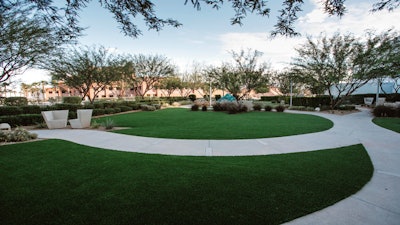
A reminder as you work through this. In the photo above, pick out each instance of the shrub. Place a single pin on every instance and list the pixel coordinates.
(70, 107)
(98, 112)
(109, 104)
(109, 111)
(29, 119)
(17, 135)
(257, 107)
(31, 109)
(72, 100)
(192, 97)
(232, 107)
(347, 107)
(157, 106)
(125, 108)
(280, 108)
(147, 108)
(245, 106)
(195, 107)
(217, 107)
(10, 110)
(16, 101)
(13, 120)
(98, 105)
(108, 124)
(204, 108)
(217, 97)
(385, 111)
(268, 108)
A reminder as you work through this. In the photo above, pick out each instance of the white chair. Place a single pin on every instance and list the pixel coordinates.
(55, 119)
(83, 120)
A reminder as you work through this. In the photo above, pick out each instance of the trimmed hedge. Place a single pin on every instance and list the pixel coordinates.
(16, 101)
(22, 120)
(72, 100)
(385, 111)
(10, 110)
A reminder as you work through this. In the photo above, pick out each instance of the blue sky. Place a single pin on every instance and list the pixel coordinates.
(206, 36)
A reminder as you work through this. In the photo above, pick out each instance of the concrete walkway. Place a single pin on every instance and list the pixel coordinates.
(377, 203)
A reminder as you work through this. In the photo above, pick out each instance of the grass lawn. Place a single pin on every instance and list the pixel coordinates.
(59, 182)
(185, 124)
(388, 123)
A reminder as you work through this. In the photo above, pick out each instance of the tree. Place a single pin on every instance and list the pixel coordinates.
(242, 77)
(148, 71)
(287, 80)
(25, 41)
(170, 84)
(342, 63)
(87, 69)
(127, 11)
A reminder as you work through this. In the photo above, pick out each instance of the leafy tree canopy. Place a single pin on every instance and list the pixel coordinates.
(126, 11)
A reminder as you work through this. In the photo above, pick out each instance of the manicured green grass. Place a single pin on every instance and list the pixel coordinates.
(58, 182)
(186, 124)
(388, 123)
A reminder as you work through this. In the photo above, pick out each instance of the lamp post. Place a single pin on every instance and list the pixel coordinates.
(291, 92)
(210, 92)
(377, 93)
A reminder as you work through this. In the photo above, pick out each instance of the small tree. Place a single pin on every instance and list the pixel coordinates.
(148, 72)
(87, 69)
(26, 41)
(242, 77)
(342, 64)
(170, 84)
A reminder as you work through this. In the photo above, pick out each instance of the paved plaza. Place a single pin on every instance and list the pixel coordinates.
(377, 203)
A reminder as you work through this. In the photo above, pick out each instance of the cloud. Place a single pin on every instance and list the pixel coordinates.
(280, 50)
(277, 51)
(357, 19)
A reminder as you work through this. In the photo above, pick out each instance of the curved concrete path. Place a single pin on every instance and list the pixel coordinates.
(377, 203)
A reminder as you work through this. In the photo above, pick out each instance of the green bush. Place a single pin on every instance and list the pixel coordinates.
(109, 111)
(31, 109)
(108, 124)
(72, 115)
(109, 104)
(98, 112)
(17, 135)
(125, 108)
(257, 107)
(280, 108)
(157, 106)
(22, 119)
(145, 107)
(16, 101)
(72, 100)
(30, 119)
(192, 97)
(347, 107)
(217, 97)
(98, 105)
(204, 108)
(385, 111)
(10, 110)
(195, 107)
(268, 108)
(70, 107)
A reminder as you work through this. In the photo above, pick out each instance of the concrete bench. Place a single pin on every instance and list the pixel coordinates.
(56, 118)
(83, 120)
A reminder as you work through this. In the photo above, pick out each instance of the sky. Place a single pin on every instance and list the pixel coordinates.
(207, 37)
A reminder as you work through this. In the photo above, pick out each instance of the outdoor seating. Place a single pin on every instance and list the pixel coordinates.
(56, 118)
(83, 120)
(368, 101)
(5, 127)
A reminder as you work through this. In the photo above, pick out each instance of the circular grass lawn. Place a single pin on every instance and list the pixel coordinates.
(181, 123)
